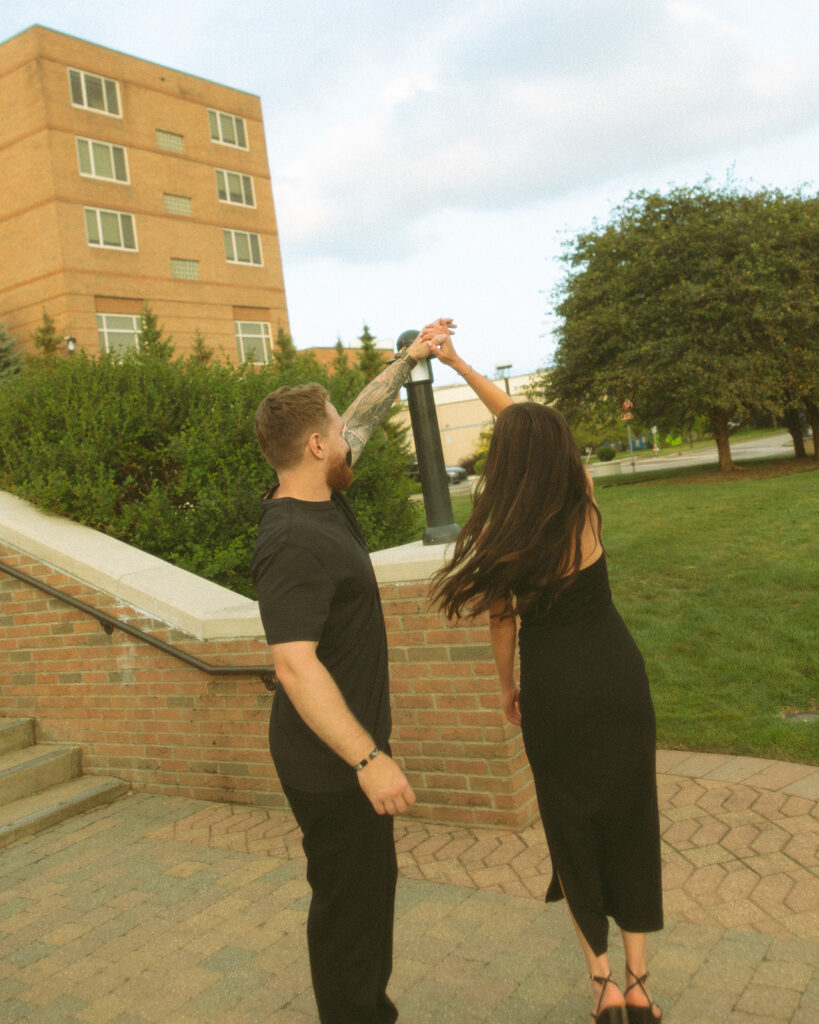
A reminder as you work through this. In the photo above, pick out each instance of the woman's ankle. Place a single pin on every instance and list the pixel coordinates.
(606, 994)
(636, 991)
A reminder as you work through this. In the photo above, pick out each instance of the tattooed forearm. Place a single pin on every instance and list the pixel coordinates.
(372, 405)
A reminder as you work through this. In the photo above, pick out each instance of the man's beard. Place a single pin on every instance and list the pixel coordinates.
(339, 475)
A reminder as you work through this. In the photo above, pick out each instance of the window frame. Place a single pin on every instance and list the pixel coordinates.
(233, 232)
(103, 330)
(243, 178)
(85, 105)
(111, 146)
(266, 337)
(119, 214)
(220, 141)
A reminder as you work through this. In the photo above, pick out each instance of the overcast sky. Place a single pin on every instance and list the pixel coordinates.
(430, 157)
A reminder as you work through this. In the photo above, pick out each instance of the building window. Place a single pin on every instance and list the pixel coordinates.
(171, 141)
(94, 92)
(235, 188)
(253, 341)
(229, 129)
(102, 160)
(185, 270)
(118, 333)
(242, 247)
(110, 229)
(177, 204)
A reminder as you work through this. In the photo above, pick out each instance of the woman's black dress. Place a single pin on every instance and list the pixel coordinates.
(588, 727)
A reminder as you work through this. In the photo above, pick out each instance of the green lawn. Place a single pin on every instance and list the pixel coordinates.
(718, 583)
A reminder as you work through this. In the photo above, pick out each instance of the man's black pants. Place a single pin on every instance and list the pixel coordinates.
(352, 870)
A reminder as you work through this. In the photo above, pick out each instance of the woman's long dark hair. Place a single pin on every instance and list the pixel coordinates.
(521, 543)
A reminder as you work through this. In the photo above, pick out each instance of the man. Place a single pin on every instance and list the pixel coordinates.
(330, 722)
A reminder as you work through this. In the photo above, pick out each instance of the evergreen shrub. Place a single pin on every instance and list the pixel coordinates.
(161, 453)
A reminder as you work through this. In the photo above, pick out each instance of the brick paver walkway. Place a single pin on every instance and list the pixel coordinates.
(180, 912)
(740, 839)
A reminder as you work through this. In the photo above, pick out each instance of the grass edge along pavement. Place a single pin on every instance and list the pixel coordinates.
(715, 574)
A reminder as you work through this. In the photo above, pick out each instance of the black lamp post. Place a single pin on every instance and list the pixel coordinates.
(441, 525)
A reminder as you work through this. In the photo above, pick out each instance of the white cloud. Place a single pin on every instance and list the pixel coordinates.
(422, 136)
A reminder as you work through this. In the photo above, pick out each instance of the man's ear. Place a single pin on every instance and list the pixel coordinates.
(315, 446)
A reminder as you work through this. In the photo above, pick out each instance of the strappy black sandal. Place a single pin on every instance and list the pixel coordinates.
(612, 1014)
(642, 1014)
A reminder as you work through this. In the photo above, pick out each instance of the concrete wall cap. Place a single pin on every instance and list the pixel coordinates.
(164, 591)
(409, 563)
(147, 583)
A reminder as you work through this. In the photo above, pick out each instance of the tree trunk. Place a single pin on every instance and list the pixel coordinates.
(721, 433)
(793, 425)
(812, 410)
(723, 439)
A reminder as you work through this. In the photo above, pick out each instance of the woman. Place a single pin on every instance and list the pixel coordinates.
(532, 551)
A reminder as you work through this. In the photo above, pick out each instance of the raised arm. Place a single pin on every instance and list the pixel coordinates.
(373, 403)
(493, 397)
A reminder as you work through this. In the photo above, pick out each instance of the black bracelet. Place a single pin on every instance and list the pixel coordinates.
(405, 357)
(373, 754)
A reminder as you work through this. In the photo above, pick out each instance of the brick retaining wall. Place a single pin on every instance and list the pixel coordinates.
(164, 727)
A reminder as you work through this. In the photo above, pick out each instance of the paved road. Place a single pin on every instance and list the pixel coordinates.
(757, 448)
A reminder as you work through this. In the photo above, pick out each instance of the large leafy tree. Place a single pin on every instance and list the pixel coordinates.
(794, 337)
(701, 302)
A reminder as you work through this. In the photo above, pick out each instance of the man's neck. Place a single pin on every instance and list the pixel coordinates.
(303, 487)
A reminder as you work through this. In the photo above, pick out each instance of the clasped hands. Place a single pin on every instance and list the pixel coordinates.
(437, 336)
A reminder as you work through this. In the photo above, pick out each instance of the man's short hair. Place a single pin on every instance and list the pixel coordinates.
(286, 418)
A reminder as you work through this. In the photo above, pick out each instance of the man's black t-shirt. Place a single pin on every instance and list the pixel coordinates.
(315, 581)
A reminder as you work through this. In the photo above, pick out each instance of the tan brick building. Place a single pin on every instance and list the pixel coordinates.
(124, 183)
(462, 416)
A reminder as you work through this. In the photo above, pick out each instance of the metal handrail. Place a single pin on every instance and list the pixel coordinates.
(109, 623)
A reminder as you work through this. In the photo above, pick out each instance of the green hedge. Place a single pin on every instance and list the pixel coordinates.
(162, 454)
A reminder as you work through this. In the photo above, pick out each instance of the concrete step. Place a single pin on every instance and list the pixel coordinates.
(30, 814)
(33, 769)
(41, 783)
(16, 733)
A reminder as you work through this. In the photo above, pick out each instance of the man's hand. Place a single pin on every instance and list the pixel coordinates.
(428, 337)
(438, 336)
(385, 785)
(419, 350)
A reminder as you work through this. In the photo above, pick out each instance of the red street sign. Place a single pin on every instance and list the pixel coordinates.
(628, 404)
(626, 415)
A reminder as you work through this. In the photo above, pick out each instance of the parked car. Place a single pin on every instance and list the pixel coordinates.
(454, 474)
